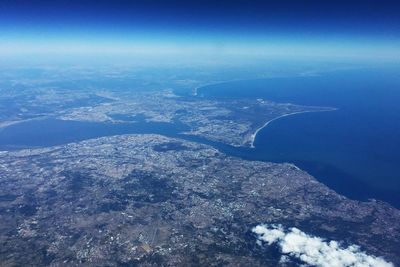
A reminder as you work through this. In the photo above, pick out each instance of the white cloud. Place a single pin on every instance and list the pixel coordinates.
(316, 251)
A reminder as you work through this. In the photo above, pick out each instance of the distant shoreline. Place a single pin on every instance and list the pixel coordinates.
(5, 124)
(254, 135)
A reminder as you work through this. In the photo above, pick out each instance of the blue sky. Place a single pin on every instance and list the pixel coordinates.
(311, 28)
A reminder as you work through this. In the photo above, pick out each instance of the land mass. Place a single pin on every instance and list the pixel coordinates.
(149, 200)
(124, 96)
(232, 122)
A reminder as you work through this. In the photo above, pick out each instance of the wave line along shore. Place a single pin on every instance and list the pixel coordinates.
(254, 135)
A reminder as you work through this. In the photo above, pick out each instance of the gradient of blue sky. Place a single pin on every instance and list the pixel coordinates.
(359, 28)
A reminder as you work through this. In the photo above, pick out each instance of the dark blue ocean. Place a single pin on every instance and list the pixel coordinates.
(354, 150)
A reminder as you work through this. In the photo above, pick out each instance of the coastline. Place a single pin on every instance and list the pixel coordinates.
(5, 124)
(254, 135)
